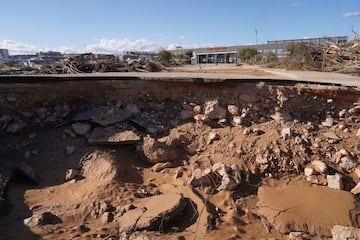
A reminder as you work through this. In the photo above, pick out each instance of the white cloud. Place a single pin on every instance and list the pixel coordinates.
(18, 47)
(114, 46)
(110, 46)
(351, 14)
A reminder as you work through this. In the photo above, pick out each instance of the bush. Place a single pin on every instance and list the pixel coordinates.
(165, 57)
(247, 53)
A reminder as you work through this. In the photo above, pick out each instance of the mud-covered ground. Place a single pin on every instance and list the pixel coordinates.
(203, 161)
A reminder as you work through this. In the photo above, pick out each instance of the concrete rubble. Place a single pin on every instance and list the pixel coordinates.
(343, 232)
(219, 176)
(149, 213)
(135, 165)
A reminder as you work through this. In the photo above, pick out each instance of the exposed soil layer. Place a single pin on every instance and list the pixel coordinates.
(226, 160)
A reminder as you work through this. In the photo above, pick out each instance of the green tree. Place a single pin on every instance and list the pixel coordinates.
(184, 58)
(270, 56)
(247, 53)
(165, 57)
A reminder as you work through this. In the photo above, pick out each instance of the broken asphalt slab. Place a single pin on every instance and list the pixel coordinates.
(113, 136)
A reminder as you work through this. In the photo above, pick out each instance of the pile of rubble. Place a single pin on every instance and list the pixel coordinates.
(343, 59)
(214, 148)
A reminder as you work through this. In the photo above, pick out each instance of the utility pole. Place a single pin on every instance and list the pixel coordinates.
(256, 37)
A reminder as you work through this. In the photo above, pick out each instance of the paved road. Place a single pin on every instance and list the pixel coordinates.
(211, 73)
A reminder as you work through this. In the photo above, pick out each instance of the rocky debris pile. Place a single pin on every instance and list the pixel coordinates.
(342, 232)
(219, 177)
(221, 149)
(143, 65)
(343, 58)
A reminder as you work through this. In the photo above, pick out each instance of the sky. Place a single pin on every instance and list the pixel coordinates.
(114, 26)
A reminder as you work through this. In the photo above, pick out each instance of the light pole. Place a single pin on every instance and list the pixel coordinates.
(256, 37)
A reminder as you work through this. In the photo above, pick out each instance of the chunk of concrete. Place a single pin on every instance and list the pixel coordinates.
(311, 209)
(113, 136)
(319, 166)
(335, 181)
(214, 111)
(106, 116)
(151, 212)
(343, 232)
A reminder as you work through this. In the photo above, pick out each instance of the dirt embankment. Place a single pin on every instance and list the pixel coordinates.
(178, 160)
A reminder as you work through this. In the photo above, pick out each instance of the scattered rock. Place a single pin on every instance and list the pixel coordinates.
(286, 133)
(197, 109)
(357, 171)
(331, 135)
(356, 190)
(280, 117)
(358, 133)
(107, 217)
(204, 178)
(296, 236)
(237, 120)
(179, 172)
(348, 163)
(308, 171)
(15, 127)
(317, 179)
(344, 160)
(160, 166)
(42, 219)
(214, 111)
(154, 152)
(70, 174)
(233, 110)
(345, 233)
(81, 128)
(335, 181)
(329, 122)
(70, 150)
(319, 166)
(212, 136)
(342, 113)
(221, 176)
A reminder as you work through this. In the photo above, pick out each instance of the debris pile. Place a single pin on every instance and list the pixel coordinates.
(343, 59)
(280, 162)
